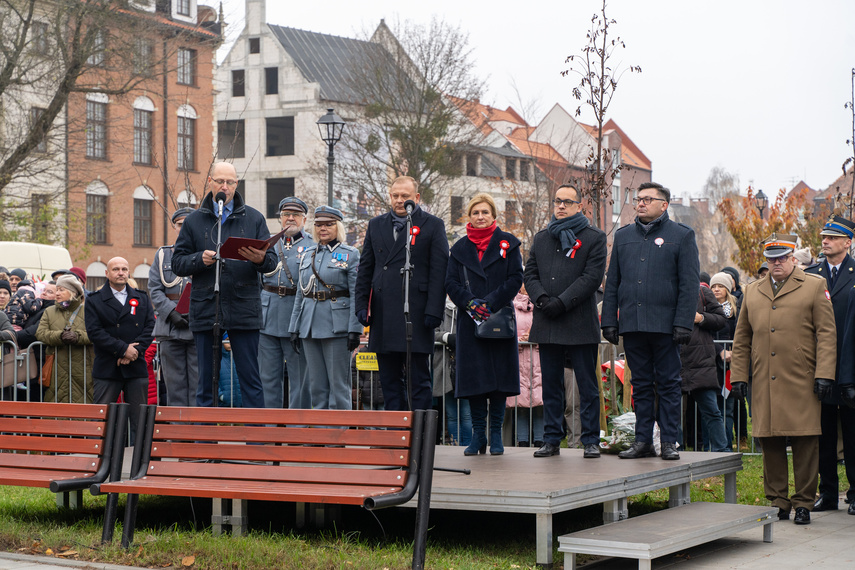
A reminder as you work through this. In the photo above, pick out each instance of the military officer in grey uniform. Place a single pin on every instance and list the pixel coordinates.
(179, 366)
(323, 323)
(279, 290)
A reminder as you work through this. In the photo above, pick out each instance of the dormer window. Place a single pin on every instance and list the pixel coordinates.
(183, 7)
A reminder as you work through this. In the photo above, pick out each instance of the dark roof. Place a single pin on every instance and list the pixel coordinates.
(327, 60)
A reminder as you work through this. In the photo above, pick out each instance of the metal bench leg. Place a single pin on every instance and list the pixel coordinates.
(730, 488)
(767, 532)
(614, 511)
(569, 561)
(238, 517)
(544, 539)
(70, 499)
(679, 495)
(130, 520)
(110, 514)
(302, 515)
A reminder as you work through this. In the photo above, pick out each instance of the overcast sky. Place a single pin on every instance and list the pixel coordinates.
(756, 87)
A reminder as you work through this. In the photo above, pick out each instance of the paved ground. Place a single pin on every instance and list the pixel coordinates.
(825, 543)
(12, 561)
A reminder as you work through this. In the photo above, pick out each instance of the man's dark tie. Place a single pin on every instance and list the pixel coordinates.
(833, 277)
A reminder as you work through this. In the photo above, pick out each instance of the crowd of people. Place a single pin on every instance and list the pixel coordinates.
(505, 338)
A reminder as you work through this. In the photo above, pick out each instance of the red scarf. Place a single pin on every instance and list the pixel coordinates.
(480, 237)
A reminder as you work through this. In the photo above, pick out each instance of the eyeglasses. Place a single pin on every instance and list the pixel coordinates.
(324, 224)
(221, 181)
(290, 215)
(558, 202)
(776, 260)
(646, 200)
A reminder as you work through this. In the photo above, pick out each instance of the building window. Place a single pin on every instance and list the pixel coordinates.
(186, 143)
(96, 129)
(35, 113)
(142, 136)
(617, 203)
(96, 219)
(471, 164)
(183, 7)
(512, 217)
(143, 56)
(40, 43)
(278, 188)
(524, 170)
(238, 83)
(254, 45)
(511, 168)
(99, 45)
(142, 222)
(456, 209)
(231, 143)
(280, 136)
(40, 212)
(271, 80)
(186, 66)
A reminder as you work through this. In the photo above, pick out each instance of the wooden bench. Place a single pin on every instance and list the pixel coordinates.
(664, 532)
(374, 459)
(64, 447)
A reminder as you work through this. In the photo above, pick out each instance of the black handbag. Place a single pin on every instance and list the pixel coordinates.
(501, 325)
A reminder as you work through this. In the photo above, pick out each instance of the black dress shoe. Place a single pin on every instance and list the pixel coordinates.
(825, 504)
(592, 451)
(638, 449)
(851, 509)
(669, 450)
(802, 516)
(548, 450)
(783, 515)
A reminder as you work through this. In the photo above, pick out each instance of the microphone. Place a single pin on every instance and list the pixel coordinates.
(220, 198)
(410, 206)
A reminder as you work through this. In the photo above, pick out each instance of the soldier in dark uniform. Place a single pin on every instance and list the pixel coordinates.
(279, 289)
(838, 269)
(178, 363)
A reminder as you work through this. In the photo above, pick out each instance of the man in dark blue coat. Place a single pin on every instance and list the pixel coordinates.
(380, 297)
(240, 283)
(564, 269)
(119, 322)
(838, 269)
(650, 299)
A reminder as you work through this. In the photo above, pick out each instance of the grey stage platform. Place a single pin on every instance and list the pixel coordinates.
(516, 482)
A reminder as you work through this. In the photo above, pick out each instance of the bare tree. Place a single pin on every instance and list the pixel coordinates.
(597, 86)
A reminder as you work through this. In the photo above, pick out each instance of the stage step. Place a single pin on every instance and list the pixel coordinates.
(656, 534)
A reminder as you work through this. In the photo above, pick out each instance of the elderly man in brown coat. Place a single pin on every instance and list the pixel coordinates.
(787, 338)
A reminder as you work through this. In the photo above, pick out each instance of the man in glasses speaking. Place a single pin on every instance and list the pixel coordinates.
(650, 298)
(240, 282)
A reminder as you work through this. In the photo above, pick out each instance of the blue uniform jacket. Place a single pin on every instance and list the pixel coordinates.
(240, 282)
(277, 308)
(112, 327)
(653, 278)
(337, 267)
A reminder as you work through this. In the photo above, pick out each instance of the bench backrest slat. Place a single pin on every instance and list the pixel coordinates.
(51, 444)
(378, 419)
(284, 435)
(49, 462)
(54, 410)
(31, 425)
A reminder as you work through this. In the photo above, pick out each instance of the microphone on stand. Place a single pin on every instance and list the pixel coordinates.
(410, 206)
(221, 199)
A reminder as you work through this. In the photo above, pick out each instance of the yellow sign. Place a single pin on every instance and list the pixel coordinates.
(367, 361)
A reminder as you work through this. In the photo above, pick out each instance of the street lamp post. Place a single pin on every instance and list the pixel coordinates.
(760, 202)
(330, 127)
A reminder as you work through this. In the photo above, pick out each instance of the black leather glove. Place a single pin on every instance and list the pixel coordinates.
(296, 343)
(553, 308)
(822, 388)
(352, 341)
(68, 337)
(739, 390)
(541, 300)
(611, 334)
(177, 320)
(847, 393)
(362, 317)
(432, 322)
(682, 335)
(451, 341)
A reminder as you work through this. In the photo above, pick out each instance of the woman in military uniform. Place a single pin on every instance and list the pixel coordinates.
(323, 323)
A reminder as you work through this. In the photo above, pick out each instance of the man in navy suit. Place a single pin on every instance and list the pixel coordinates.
(119, 322)
(380, 297)
(838, 269)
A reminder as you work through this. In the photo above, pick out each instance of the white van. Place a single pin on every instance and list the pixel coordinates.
(36, 259)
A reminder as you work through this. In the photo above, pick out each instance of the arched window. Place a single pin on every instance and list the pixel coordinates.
(143, 198)
(186, 137)
(96, 212)
(186, 199)
(96, 276)
(143, 130)
(96, 125)
(141, 276)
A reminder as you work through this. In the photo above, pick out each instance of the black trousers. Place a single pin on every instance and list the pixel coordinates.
(828, 479)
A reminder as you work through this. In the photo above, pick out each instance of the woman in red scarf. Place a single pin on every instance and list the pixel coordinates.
(485, 272)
